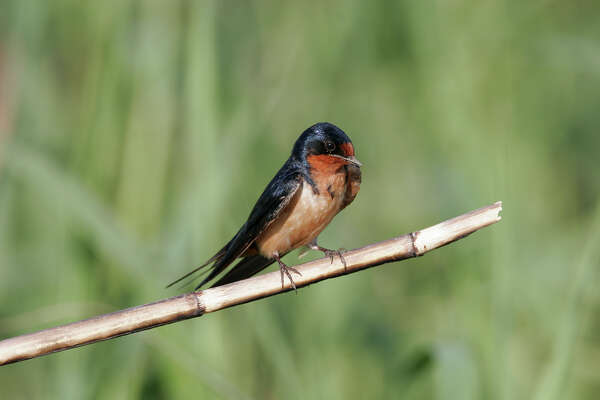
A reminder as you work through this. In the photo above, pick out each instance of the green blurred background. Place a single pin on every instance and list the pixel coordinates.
(135, 137)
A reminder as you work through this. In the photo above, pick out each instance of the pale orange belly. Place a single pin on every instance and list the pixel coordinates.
(304, 218)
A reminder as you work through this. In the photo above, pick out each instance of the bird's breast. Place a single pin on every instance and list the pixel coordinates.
(307, 214)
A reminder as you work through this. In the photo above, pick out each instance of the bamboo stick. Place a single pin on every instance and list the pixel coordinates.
(195, 304)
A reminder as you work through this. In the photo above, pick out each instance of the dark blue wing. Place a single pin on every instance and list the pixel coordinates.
(274, 198)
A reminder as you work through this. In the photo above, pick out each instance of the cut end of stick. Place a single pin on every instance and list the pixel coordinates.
(453, 229)
(498, 206)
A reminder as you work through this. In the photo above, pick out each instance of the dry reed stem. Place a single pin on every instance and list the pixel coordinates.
(195, 304)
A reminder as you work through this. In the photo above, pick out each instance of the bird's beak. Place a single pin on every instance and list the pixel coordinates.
(350, 160)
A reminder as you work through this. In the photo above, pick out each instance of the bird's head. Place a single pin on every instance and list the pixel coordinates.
(326, 142)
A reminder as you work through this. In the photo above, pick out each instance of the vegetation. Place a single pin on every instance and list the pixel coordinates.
(136, 136)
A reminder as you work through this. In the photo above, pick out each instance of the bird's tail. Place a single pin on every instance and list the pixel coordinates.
(247, 267)
(216, 258)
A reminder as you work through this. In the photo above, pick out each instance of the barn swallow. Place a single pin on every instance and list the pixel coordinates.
(320, 178)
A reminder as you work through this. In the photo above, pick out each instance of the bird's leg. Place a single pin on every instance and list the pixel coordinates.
(285, 269)
(328, 252)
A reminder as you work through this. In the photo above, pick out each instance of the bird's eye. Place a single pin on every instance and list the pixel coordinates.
(330, 147)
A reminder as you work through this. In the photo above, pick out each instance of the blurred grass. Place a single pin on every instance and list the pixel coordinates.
(135, 137)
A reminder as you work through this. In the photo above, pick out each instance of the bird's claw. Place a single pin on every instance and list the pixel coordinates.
(332, 253)
(284, 269)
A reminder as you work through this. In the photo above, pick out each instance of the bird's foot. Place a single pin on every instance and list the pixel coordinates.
(330, 253)
(284, 269)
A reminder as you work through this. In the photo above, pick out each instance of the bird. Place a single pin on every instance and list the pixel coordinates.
(321, 177)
